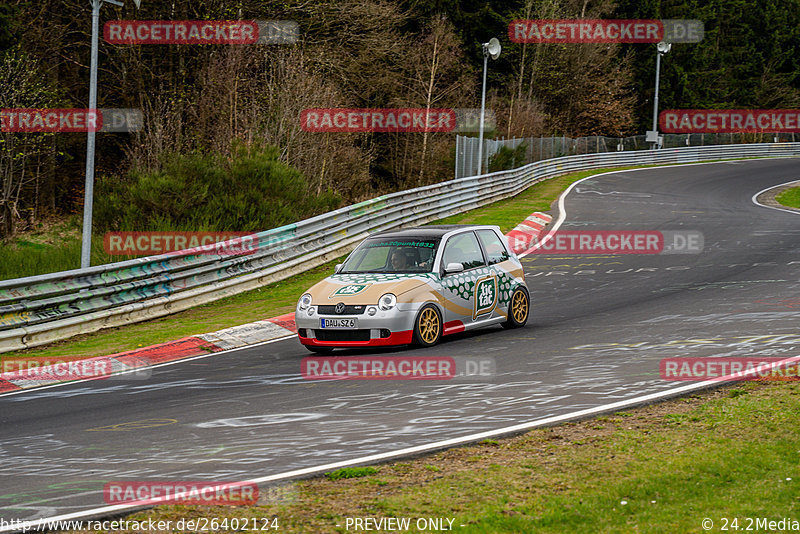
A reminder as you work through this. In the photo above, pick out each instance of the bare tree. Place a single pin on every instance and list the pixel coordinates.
(582, 89)
(22, 155)
(287, 83)
(434, 76)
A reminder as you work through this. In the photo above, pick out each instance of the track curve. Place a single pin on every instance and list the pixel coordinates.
(599, 327)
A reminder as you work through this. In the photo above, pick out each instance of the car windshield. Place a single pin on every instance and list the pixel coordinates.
(384, 255)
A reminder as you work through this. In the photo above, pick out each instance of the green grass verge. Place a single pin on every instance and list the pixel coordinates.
(729, 453)
(509, 213)
(51, 246)
(790, 197)
(351, 472)
(280, 297)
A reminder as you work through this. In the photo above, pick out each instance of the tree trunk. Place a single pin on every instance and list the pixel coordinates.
(8, 224)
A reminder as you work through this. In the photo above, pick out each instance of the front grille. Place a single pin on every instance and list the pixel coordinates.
(349, 309)
(341, 335)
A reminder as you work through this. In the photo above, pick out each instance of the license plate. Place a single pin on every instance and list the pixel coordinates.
(339, 323)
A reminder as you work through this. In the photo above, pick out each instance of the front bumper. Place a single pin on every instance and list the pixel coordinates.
(395, 338)
(385, 328)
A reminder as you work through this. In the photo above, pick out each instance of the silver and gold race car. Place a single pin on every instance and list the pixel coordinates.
(415, 286)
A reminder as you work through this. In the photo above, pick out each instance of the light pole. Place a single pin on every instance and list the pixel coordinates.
(88, 196)
(492, 48)
(652, 136)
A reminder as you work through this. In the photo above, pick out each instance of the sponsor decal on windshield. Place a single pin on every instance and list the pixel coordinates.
(421, 244)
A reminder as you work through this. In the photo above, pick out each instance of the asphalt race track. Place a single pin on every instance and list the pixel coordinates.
(600, 326)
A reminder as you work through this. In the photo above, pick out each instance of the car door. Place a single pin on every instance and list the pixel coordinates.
(499, 261)
(463, 305)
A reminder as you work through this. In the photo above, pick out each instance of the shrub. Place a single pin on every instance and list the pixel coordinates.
(507, 158)
(250, 191)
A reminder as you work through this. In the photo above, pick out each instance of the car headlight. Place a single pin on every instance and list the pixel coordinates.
(387, 302)
(305, 302)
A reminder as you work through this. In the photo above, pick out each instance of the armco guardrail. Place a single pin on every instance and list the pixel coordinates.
(41, 309)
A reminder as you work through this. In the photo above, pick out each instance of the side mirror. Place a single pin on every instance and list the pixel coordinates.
(452, 268)
(337, 268)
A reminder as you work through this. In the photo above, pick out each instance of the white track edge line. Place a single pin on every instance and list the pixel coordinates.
(757, 203)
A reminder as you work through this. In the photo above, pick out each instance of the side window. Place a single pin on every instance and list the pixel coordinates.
(495, 250)
(464, 249)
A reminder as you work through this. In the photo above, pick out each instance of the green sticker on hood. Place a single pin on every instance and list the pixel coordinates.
(351, 289)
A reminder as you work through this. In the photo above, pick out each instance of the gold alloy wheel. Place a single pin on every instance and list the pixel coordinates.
(429, 326)
(519, 307)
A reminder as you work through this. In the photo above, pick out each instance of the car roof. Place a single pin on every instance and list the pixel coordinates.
(431, 231)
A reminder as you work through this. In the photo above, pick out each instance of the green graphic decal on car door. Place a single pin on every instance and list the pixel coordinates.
(485, 297)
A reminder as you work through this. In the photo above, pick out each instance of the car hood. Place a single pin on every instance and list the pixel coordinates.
(366, 288)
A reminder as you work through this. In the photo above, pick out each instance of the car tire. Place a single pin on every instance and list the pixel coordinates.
(428, 326)
(319, 350)
(519, 308)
